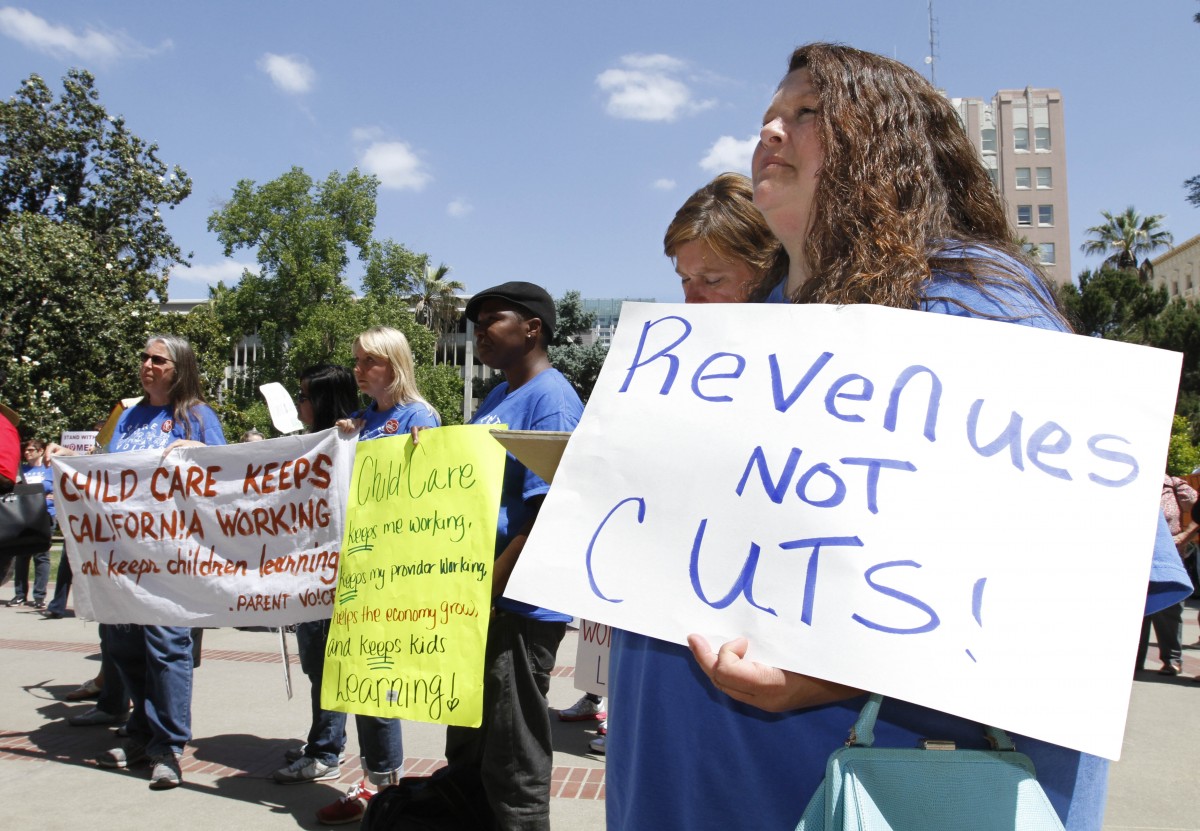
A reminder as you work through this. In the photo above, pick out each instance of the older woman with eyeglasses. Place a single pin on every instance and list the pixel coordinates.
(155, 662)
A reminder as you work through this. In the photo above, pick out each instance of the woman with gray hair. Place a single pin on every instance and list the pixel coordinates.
(155, 662)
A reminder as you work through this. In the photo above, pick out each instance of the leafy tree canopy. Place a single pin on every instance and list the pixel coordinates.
(1113, 304)
(83, 248)
(580, 364)
(301, 232)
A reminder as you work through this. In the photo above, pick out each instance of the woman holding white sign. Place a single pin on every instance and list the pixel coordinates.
(864, 173)
(155, 662)
(383, 370)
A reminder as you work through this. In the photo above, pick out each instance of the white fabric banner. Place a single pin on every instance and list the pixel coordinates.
(955, 512)
(234, 535)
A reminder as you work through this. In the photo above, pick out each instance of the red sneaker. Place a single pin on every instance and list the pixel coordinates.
(349, 808)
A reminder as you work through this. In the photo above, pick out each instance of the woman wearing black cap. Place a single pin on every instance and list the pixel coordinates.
(508, 757)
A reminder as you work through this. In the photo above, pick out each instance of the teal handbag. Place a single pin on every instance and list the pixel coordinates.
(934, 787)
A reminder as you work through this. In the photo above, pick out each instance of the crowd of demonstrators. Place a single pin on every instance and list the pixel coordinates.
(155, 662)
(843, 208)
(866, 213)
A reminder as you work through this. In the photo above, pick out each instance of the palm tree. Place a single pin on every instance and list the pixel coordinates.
(433, 299)
(1126, 236)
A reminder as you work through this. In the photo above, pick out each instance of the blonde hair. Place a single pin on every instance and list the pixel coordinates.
(390, 345)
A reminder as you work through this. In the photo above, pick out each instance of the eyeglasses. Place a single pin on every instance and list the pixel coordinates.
(157, 360)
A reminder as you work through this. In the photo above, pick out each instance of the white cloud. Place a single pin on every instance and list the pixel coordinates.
(653, 63)
(664, 184)
(366, 134)
(194, 282)
(459, 207)
(729, 154)
(396, 165)
(647, 88)
(291, 73)
(38, 33)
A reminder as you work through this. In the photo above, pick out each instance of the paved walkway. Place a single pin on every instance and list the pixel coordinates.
(243, 723)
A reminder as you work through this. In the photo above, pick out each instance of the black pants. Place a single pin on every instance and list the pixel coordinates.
(511, 752)
(1168, 632)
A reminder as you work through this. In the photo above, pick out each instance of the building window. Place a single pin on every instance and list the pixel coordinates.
(1023, 178)
(1045, 214)
(994, 175)
(1046, 253)
(1021, 138)
(988, 139)
(1024, 215)
(1041, 125)
(1044, 178)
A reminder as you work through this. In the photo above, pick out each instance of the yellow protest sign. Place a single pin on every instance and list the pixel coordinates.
(415, 581)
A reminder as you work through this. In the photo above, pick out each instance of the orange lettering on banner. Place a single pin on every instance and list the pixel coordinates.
(186, 482)
(273, 477)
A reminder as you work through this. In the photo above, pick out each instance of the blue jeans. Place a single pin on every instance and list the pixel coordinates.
(41, 575)
(113, 699)
(379, 739)
(62, 587)
(155, 663)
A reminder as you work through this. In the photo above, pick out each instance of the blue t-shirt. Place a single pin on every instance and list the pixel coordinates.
(146, 427)
(32, 474)
(395, 421)
(682, 755)
(545, 402)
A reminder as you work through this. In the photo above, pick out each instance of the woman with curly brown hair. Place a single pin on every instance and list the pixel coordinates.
(865, 175)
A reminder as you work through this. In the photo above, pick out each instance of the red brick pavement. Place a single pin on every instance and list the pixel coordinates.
(256, 761)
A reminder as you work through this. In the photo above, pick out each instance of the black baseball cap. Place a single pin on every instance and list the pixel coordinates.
(533, 298)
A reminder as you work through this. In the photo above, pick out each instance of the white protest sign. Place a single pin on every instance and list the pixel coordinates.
(283, 410)
(926, 506)
(236, 535)
(79, 441)
(591, 657)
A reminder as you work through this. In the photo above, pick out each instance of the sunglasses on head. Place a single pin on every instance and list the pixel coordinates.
(157, 360)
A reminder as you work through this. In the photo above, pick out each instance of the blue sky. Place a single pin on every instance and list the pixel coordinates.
(553, 141)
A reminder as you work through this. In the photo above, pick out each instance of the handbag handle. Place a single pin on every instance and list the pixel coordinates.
(862, 734)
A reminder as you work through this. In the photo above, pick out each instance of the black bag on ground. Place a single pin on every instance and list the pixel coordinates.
(441, 802)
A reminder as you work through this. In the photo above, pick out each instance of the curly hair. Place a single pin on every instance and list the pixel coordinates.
(902, 192)
(723, 214)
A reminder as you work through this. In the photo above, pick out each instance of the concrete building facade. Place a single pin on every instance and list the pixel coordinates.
(1020, 137)
(1178, 270)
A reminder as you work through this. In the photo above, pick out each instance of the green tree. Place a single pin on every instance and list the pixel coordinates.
(83, 249)
(301, 232)
(1113, 304)
(1182, 455)
(1126, 237)
(579, 363)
